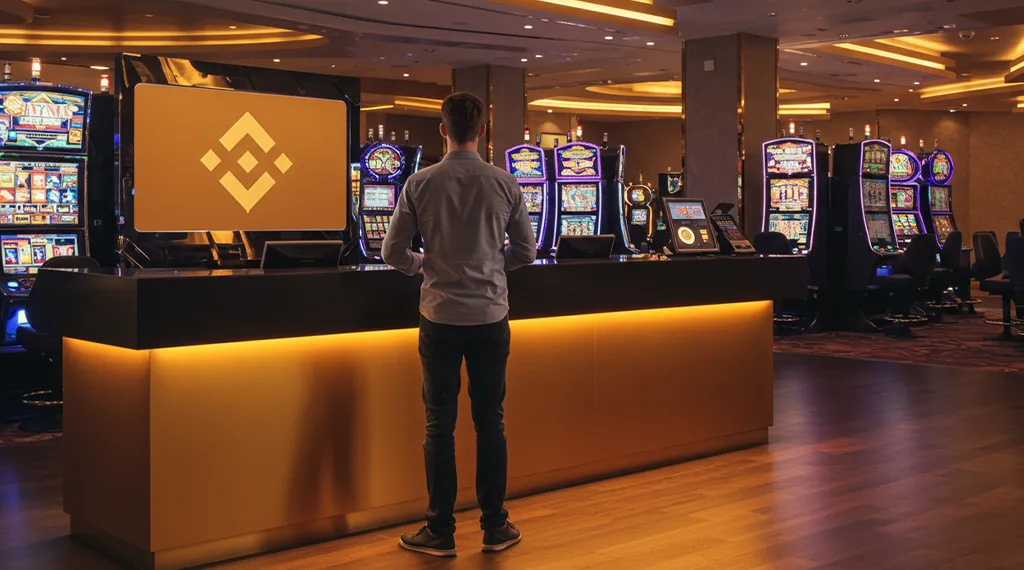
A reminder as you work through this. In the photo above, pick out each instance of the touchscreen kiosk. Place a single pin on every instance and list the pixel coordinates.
(690, 226)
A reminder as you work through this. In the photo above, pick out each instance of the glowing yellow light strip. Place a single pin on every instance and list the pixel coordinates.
(607, 106)
(806, 106)
(804, 111)
(613, 11)
(891, 55)
(1017, 67)
(419, 103)
(964, 87)
(158, 43)
(150, 34)
(377, 108)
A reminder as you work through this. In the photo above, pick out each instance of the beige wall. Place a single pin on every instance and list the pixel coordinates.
(995, 172)
(422, 130)
(652, 146)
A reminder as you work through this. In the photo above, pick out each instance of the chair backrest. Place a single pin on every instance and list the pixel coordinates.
(951, 256)
(986, 252)
(1021, 224)
(71, 262)
(772, 243)
(1015, 266)
(918, 260)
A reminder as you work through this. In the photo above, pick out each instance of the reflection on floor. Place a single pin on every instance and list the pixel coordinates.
(872, 465)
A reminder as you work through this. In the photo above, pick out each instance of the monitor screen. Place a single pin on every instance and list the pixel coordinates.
(673, 183)
(355, 176)
(875, 194)
(791, 194)
(378, 197)
(526, 163)
(789, 157)
(639, 195)
(39, 193)
(880, 231)
(578, 226)
(944, 226)
(535, 224)
(796, 227)
(26, 253)
(728, 226)
(639, 216)
(876, 159)
(902, 198)
(906, 225)
(579, 197)
(941, 167)
(689, 225)
(578, 160)
(39, 119)
(903, 166)
(533, 195)
(383, 161)
(938, 197)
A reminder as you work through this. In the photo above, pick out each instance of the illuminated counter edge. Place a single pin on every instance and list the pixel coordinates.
(167, 309)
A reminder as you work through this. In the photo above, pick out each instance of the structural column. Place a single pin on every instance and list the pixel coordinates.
(730, 103)
(503, 91)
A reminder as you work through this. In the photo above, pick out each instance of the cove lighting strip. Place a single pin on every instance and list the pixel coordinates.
(419, 103)
(596, 7)
(877, 52)
(966, 87)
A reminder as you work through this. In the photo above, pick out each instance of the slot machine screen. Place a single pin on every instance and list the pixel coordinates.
(902, 198)
(535, 224)
(941, 166)
(533, 196)
(578, 226)
(906, 225)
(674, 183)
(791, 194)
(355, 176)
(378, 197)
(727, 224)
(943, 226)
(39, 193)
(789, 157)
(880, 231)
(689, 225)
(875, 194)
(794, 226)
(43, 120)
(876, 159)
(639, 216)
(939, 196)
(903, 166)
(579, 197)
(25, 253)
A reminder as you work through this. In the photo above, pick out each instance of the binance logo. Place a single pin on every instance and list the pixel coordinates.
(247, 197)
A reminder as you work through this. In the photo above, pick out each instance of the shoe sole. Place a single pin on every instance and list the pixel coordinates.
(429, 551)
(502, 546)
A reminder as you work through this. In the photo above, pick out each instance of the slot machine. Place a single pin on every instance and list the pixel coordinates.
(577, 190)
(794, 191)
(527, 164)
(937, 210)
(613, 168)
(638, 216)
(384, 168)
(43, 160)
(905, 196)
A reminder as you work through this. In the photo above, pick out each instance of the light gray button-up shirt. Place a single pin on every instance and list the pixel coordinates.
(463, 207)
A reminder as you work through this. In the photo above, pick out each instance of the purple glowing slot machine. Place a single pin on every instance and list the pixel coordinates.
(577, 190)
(526, 163)
(937, 210)
(905, 195)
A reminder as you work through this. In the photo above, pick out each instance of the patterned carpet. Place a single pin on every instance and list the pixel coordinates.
(960, 341)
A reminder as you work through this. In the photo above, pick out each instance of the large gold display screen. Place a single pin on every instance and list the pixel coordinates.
(210, 159)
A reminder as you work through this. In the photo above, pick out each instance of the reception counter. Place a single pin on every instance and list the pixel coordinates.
(216, 414)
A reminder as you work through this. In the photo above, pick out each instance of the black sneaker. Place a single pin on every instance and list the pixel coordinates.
(426, 542)
(498, 540)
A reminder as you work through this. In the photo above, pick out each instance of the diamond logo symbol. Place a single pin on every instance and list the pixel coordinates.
(246, 126)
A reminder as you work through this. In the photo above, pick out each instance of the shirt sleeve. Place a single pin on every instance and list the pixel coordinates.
(397, 248)
(522, 244)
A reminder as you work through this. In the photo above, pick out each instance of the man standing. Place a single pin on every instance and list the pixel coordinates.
(463, 208)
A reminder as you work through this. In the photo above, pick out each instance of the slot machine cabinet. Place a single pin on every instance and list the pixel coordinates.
(43, 187)
(670, 184)
(638, 216)
(578, 190)
(527, 165)
(937, 195)
(905, 196)
(613, 167)
(730, 237)
(384, 168)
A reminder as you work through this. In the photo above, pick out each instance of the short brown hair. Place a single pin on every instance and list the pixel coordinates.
(462, 115)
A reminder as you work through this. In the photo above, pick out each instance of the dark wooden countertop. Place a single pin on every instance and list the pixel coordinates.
(145, 309)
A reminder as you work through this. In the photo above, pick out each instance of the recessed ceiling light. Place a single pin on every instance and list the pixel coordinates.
(408, 55)
(148, 15)
(952, 110)
(843, 36)
(99, 67)
(232, 27)
(405, 75)
(528, 27)
(917, 83)
(538, 56)
(382, 2)
(650, 43)
(277, 60)
(896, 99)
(878, 81)
(949, 26)
(63, 59)
(911, 90)
(333, 66)
(900, 31)
(524, 60)
(994, 38)
(770, 14)
(609, 38)
(964, 105)
(550, 111)
(804, 63)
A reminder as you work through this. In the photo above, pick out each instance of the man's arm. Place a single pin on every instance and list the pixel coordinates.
(397, 248)
(522, 244)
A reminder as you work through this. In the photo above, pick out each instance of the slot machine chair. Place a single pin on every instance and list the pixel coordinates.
(988, 271)
(49, 399)
(910, 275)
(776, 243)
(954, 272)
(1014, 267)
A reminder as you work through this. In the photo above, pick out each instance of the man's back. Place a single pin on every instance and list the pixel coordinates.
(463, 208)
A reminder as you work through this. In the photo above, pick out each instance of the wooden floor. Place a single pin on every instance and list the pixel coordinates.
(872, 466)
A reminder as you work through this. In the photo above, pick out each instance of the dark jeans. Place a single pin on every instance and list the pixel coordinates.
(485, 348)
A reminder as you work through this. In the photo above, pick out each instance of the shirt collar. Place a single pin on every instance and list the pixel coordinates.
(462, 155)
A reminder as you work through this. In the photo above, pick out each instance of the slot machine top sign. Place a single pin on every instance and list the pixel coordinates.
(940, 167)
(903, 166)
(790, 157)
(578, 160)
(526, 163)
(42, 120)
(384, 161)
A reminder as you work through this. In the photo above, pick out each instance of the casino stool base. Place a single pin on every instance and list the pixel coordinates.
(900, 324)
(50, 417)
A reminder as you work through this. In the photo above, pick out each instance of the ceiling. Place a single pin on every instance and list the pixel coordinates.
(407, 48)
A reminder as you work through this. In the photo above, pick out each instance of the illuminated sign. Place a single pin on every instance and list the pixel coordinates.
(43, 120)
(789, 158)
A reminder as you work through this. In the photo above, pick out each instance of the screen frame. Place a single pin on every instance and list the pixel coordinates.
(369, 173)
(597, 197)
(952, 224)
(681, 247)
(803, 207)
(79, 162)
(914, 161)
(362, 197)
(949, 199)
(543, 162)
(930, 175)
(55, 88)
(809, 217)
(597, 163)
(913, 190)
(80, 245)
(795, 141)
(561, 220)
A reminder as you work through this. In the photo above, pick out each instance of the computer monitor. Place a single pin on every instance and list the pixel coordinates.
(689, 225)
(584, 247)
(324, 254)
(25, 253)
